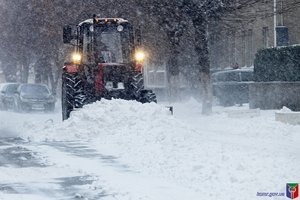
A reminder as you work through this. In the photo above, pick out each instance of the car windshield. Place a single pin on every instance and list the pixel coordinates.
(34, 89)
(111, 45)
(11, 88)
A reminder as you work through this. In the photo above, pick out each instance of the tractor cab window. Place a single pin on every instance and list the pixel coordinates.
(111, 45)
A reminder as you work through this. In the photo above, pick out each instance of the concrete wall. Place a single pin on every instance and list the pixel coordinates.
(274, 95)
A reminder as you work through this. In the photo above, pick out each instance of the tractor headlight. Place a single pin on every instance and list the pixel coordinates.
(76, 57)
(140, 56)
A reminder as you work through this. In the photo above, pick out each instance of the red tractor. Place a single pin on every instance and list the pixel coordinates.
(106, 62)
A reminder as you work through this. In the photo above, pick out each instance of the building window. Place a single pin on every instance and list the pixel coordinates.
(244, 48)
(233, 48)
(265, 33)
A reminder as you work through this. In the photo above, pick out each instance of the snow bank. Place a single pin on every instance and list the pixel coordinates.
(215, 156)
(285, 110)
(286, 115)
(104, 118)
(145, 137)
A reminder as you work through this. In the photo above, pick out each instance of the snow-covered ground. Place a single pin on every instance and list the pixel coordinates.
(140, 151)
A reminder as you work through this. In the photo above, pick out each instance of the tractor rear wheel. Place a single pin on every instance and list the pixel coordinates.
(73, 95)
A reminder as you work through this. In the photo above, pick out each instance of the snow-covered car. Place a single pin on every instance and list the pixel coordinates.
(7, 92)
(33, 97)
(232, 86)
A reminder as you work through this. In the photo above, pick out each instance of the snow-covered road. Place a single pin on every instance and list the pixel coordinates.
(126, 150)
(26, 174)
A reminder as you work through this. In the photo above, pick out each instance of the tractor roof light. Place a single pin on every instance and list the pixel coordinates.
(76, 58)
(140, 56)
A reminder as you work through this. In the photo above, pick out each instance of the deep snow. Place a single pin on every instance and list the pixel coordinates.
(228, 155)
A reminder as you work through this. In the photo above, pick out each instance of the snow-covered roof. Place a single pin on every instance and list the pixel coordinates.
(90, 21)
(250, 69)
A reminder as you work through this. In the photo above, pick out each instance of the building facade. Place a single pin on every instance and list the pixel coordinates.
(236, 38)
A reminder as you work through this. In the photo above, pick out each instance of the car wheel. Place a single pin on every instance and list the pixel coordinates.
(2, 107)
(17, 107)
(24, 108)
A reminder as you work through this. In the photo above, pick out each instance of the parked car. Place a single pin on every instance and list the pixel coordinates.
(7, 92)
(231, 87)
(33, 97)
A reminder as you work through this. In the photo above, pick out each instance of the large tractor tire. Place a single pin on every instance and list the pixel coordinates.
(147, 96)
(139, 93)
(137, 85)
(73, 95)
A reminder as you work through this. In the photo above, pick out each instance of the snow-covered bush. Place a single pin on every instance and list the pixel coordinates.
(277, 64)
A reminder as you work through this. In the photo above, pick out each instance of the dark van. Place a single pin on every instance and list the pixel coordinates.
(231, 87)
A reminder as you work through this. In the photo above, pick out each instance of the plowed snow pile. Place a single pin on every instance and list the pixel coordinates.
(107, 118)
(215, 156)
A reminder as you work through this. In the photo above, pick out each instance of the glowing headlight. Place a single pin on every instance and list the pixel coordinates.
(76, 57)
(140, 56)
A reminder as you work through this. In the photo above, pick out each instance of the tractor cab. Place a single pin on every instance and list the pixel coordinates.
(105, 40)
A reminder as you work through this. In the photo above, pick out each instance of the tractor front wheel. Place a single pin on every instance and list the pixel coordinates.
(147, 96)
(139, 92)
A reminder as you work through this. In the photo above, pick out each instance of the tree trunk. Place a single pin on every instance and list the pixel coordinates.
(173, 67)
(24, 70)
(201, 48)
(207, 93)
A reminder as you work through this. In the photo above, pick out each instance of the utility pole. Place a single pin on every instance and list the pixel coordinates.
(275, 22)
(281, 14)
